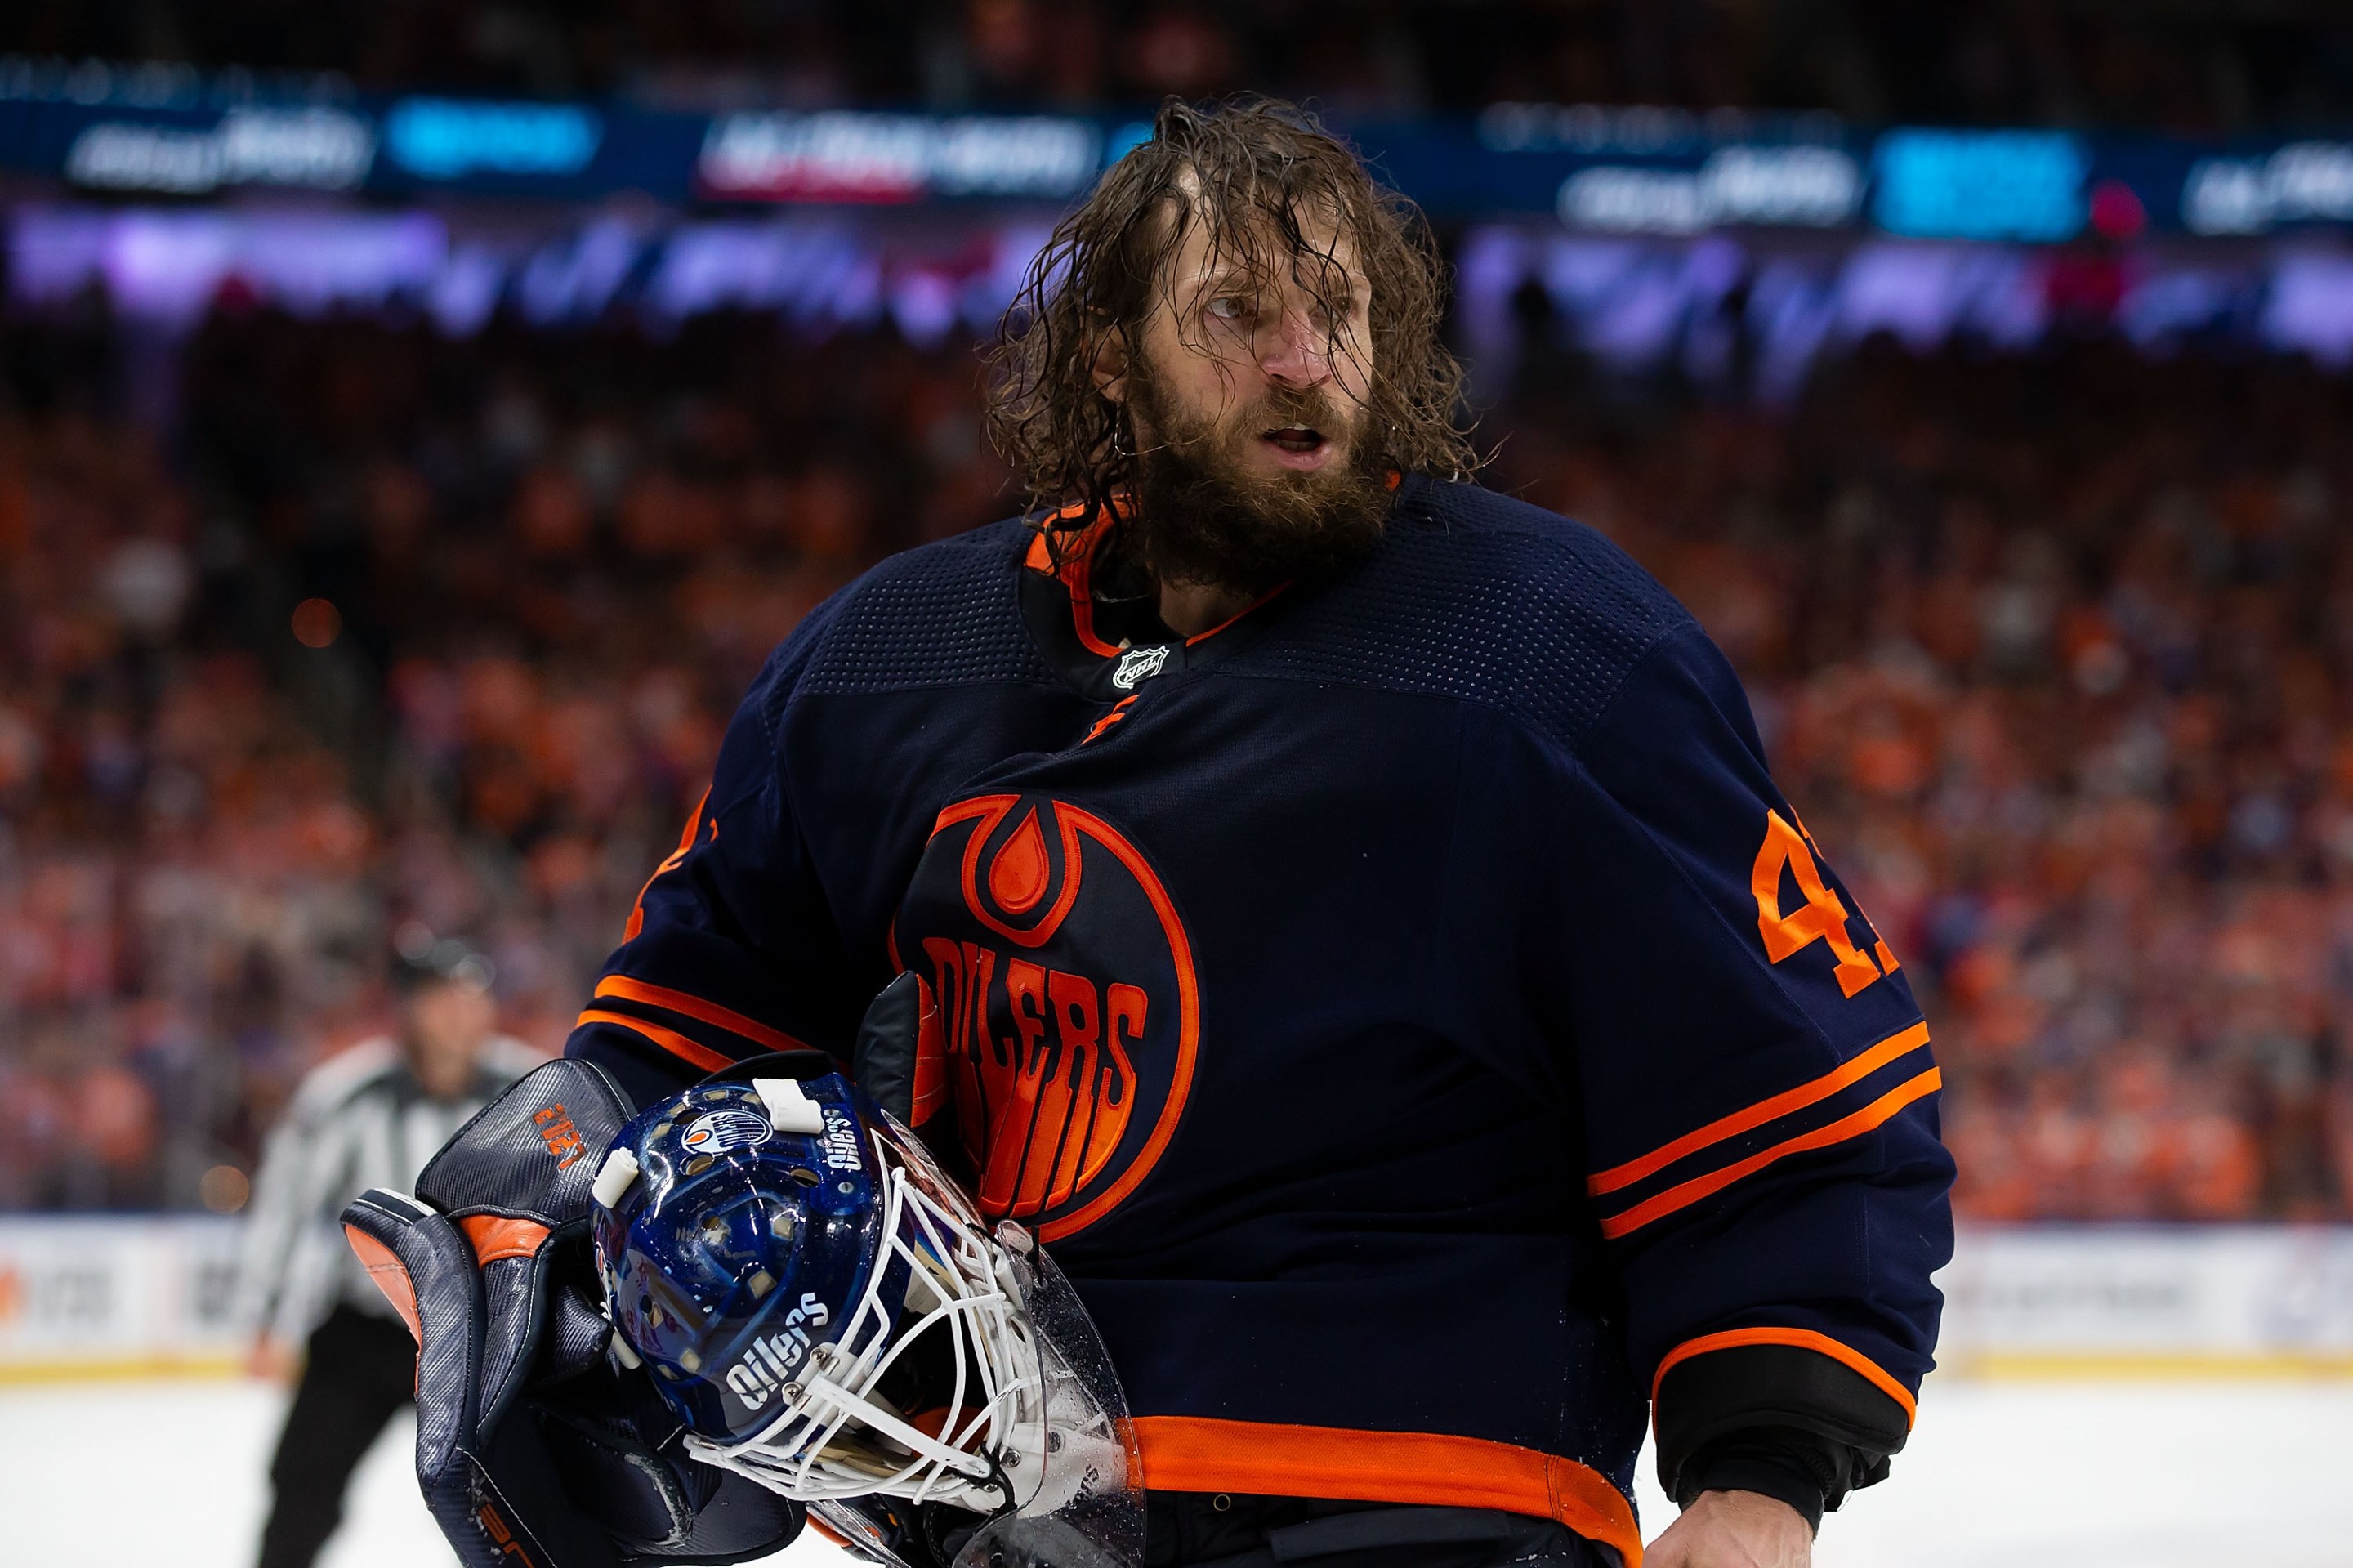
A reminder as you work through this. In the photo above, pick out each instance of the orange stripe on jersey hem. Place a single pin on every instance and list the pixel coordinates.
(1691, 1192)
(1804, 1338)
(1763, 1111)
(1201, 1454)
(701, 1011)
(669, 1039)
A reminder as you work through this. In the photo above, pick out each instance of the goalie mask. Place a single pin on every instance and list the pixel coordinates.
(826, 1312)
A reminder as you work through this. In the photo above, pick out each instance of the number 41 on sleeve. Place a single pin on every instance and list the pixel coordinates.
(1822, 917)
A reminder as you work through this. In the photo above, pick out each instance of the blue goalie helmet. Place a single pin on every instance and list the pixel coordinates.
(826, 1313)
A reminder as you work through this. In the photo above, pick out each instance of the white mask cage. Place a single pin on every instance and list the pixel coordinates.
(835, 1435)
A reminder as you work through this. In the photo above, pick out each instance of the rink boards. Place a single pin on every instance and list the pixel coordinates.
(121, 1295)
(2088, 1301)
(116, 1296)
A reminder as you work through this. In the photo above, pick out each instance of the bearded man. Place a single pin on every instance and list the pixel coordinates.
(1365, 944)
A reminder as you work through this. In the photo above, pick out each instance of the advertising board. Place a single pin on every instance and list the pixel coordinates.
(143, 130)
(82, 1296)
(107, 1295)
(2221, 1301)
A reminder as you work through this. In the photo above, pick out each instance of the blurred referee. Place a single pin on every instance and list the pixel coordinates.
(368, 1117)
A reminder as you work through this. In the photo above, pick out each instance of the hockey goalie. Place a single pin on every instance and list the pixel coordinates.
(1340, 915)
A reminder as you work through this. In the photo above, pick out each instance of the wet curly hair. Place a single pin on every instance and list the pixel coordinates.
(1248, 168)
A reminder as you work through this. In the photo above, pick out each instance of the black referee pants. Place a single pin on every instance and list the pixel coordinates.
(360, 1371)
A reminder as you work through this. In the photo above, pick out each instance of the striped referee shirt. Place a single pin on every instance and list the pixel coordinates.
(359, 1120)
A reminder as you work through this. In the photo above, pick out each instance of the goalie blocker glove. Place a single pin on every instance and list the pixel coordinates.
(535, 1444)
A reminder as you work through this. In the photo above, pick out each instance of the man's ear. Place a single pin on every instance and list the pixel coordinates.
(1110, 366)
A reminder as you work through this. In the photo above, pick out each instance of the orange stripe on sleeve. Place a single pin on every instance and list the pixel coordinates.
(1689, 1192)
(669, 1039)
(1804, 1338)
(1204, 1454)
(1763, 1111)
(694, 1007)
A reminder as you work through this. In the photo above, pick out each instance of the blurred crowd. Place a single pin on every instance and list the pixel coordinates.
(2196, 67)
(384, 629)
(362, 626)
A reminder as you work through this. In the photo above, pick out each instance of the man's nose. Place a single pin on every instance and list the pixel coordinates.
(1295, 354)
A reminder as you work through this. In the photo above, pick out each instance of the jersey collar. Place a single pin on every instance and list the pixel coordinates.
(1067, 620)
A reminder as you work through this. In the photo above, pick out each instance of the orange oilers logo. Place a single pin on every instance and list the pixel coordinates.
(1069, 1010)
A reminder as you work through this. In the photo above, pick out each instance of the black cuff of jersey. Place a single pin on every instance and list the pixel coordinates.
(1780, 1462)
(1809, 1410)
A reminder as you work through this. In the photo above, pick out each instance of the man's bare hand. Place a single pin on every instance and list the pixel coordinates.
(1734, 1530)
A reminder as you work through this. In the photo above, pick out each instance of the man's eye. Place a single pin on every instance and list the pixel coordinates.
(1229, 308)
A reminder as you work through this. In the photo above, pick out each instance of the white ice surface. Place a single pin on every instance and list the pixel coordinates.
(170, 1475)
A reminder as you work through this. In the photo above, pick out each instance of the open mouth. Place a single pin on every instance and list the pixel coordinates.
(1300, 439)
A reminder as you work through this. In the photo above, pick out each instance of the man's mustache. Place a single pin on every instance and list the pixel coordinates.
(1275, 410)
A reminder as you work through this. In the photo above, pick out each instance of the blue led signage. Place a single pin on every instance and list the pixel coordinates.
(451, 139)
(1980, 184)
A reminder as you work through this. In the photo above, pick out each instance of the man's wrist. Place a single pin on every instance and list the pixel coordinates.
(1722, 1529)
(1772, 1462)
(1783, 1483)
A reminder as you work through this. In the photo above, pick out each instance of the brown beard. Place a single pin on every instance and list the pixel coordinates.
(1202, 517)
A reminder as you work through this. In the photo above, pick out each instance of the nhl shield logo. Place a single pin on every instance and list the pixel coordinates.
(1138, 665)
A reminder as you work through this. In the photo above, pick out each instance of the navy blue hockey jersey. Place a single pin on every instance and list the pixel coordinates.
(1410, 1011)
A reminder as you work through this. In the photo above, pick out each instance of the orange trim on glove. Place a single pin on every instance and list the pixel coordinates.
(494, 1237)
(390, 1274)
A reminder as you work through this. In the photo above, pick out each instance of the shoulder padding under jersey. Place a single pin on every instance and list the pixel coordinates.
(942, 614)
(1482, 598)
